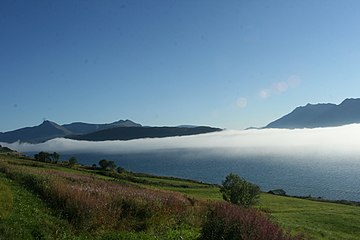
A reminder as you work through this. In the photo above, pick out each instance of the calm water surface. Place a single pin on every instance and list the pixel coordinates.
(331, 179)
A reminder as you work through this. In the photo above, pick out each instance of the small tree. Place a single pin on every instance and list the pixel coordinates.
(120, 170)
(111, 165)
(103, 164)
(55, 157)
(238, 191)
(72, 161)
(43, 157)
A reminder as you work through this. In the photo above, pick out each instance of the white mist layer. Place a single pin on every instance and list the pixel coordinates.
(323, 142)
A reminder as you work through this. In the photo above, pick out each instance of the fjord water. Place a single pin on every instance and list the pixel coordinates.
(323, 162)
(331, 179)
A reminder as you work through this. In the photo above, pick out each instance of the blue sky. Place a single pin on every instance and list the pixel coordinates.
(230, 64)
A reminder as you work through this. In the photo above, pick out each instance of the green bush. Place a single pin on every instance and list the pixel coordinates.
(231, 222)
(238, 191)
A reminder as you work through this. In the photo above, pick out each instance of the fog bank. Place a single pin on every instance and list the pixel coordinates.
(344, 141)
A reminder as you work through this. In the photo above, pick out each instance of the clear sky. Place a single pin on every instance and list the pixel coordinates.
(230, 64)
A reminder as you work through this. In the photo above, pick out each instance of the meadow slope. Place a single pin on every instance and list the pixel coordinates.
(84, 203)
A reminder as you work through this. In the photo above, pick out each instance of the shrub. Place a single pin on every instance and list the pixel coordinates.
(72, 161)
(120, 169)
(43, 157)
(231, 222)
(111, 165)
(238, 191)
(103, 163)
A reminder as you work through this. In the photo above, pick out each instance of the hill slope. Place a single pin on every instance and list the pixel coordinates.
(320, 115)
(83, 128)
(120, 130)
(129, 133)
(43, 132)
(316, 220)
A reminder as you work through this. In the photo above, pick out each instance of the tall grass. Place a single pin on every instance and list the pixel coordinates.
(231, 222)
(93, 204)
(110, 208)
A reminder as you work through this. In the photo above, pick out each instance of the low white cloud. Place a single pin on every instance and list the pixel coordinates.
(241, 102)
(336, 141)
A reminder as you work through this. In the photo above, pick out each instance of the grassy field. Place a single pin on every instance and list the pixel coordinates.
(22, 213)
(318, 220)
(24, 208)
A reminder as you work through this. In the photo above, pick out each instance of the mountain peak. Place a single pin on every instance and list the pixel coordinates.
(320, 115)
(47, 122)
(351, 101)
(126, 123)
(43, 132)
(84, 128)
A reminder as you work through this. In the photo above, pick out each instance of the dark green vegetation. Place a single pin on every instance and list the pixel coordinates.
(105, 164)
(47, 157)
(53, 201)
(5, 150)
(238, 191)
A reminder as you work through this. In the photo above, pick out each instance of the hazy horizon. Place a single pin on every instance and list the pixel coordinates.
(324, 142)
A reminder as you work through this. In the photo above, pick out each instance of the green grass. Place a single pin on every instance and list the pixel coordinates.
(203, 193)
(172, 181)
(131, 208)
(6, 200)
(317, 220)
(22, 212)
(24, 216)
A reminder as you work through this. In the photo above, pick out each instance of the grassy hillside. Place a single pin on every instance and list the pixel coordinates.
(52, 201)
(314, 219)
(318, 220)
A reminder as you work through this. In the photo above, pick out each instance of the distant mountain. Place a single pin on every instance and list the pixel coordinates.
(120, 130)
(187, 126)
(83, 128)
(320, 115)
(49, 130)
(45, 131)
(128, 133)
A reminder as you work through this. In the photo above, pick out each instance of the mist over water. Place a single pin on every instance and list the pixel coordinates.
(323, 162)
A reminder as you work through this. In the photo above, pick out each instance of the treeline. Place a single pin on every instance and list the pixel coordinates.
(47, 157)
(54, 158)
(106, 165)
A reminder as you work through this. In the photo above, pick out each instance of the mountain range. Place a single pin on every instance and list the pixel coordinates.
(128, 133)
(120, 130)
(320, 115)
(83, 128)
(309, 116)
